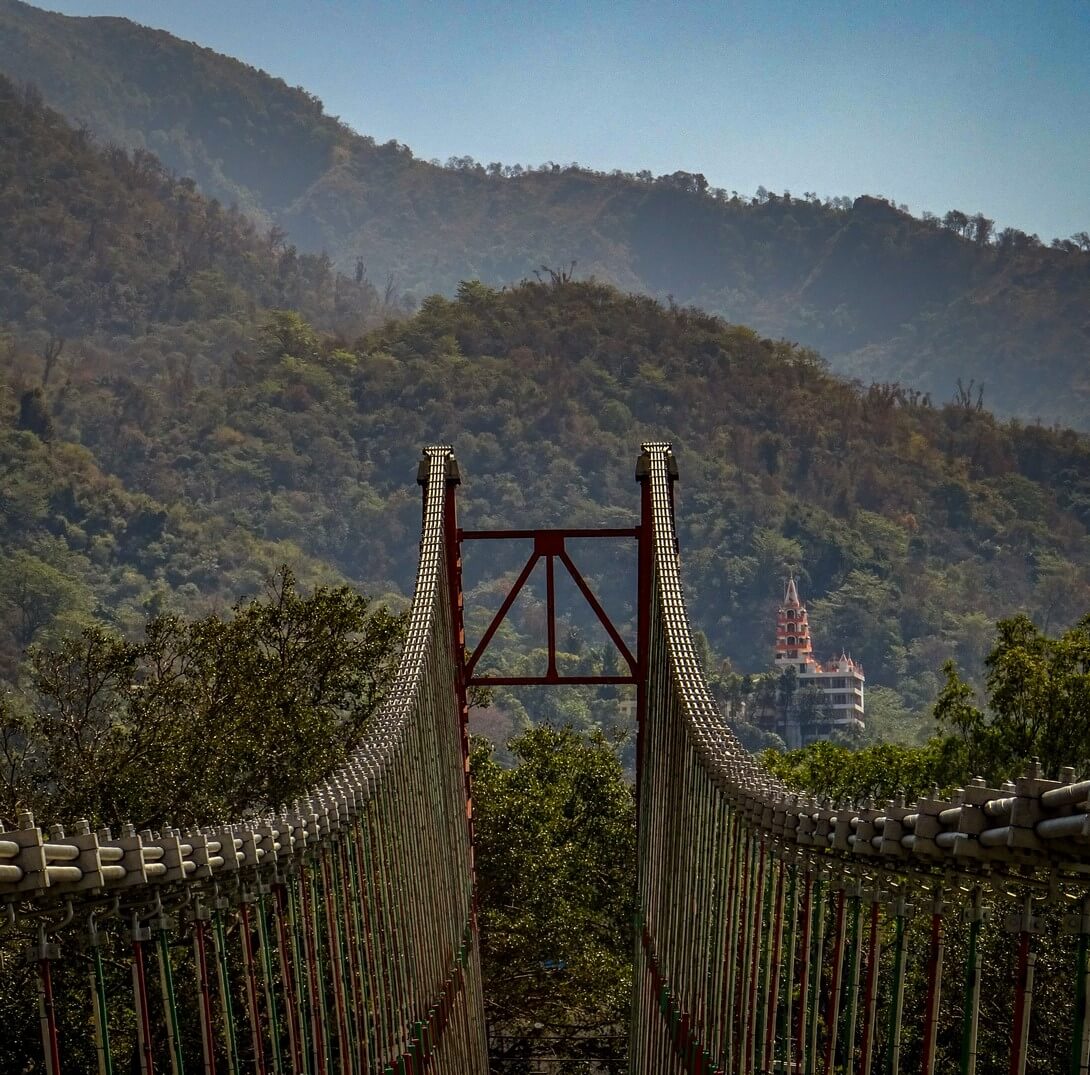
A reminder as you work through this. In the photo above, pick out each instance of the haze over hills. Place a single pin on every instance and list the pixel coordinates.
(110, 270)
(187, 438)
(189, 401)
(883, 295)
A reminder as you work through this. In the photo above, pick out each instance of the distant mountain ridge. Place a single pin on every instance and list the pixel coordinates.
(166, 438)
(883, 295)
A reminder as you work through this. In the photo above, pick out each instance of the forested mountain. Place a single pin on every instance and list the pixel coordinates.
(113, 274)
(104, 241)
(189, 400)
(885, 296)
(170, 442)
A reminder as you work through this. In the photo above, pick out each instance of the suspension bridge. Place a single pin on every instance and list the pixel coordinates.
(776, 934)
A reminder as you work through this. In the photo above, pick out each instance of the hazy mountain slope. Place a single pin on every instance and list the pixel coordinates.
(230, 127)
(104, 246)
(185, 438)
(883, 295)
(110, 271)
(912, 526)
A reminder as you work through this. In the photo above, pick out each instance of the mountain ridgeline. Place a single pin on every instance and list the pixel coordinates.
(187, 402)
(166, 443)
(883, 295)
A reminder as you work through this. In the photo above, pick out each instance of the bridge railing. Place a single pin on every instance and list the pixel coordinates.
(335, 935)
(782, 934)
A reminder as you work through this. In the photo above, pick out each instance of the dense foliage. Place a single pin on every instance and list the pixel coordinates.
(200, 719)
(556, 863)
(172, 454)
(77, 547)
(882, 294)
(911, 525)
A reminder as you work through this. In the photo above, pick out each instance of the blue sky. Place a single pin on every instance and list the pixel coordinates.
(976, 106)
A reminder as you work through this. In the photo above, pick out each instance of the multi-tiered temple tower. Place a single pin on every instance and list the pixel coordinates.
(793, 631)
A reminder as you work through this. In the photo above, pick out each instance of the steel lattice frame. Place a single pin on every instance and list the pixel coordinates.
(344, 928)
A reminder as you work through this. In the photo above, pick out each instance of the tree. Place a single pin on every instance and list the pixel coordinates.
(1038, 702)
(956, 221)
(786, 686)
(34, 414)
(1038, 693)
(556, 847)
(34, 593)
(200, 719)
(51, 352)
(981, 229)
(1013, 239)
(965, 725)
(809, 708)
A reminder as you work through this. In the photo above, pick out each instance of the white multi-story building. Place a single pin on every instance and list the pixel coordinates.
(840, 681)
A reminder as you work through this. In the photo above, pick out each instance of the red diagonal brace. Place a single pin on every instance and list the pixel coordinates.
(508, 601)
(549, 545)
(603, 619)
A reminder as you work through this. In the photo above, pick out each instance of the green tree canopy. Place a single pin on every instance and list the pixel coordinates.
(556, 847)
(199, 720)
(1037, 702)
